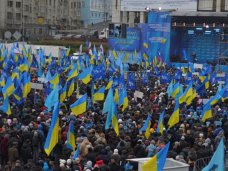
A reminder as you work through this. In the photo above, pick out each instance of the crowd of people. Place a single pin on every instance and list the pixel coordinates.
(23, 133)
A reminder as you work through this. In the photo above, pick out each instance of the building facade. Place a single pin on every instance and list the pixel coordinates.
(35, 18)
(96, 11)
(121, 14)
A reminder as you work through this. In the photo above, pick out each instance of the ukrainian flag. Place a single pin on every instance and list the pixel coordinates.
(146, 127)
(55, 80)
(109, 84)
(6, 106)
(188, 92)
(114, 54)
(71, 88)
(206, 83)
(126, 57)
(63, 93)
(15, 74)
(145, 45)
(191, 98)
(79, 106)
(9, 88)
(116, 96)
(113, 114)
(157, 162)
(71, 137)
(85, 76)
(206, 113)
(160, 127)
(108, 102)
(125, 100)
(175, 117)
(23, 67)
(176, 90)
(26, 85)
(99, 95)
(53, 132)
(73, 73)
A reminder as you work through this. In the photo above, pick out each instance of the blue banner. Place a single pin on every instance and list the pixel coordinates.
(158, 35)
(131, 43)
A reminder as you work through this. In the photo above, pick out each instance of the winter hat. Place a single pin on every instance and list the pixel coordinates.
(89, 164)
(116, 151)
(68, 161)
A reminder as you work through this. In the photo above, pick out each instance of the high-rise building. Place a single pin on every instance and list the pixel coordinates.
(96, 11)
(37, 18)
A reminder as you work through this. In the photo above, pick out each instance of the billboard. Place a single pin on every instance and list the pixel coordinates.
(179, 5)
(130, 43)
(158, 35)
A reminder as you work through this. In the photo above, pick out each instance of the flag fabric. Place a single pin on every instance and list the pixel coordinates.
(114, 54)
(109, 84)
(52, 99)
(176, 90)
(6, 106)
(26, 84)
(170, 88)
(206, 113)
(145, 45)
(217, 161)
(107, 103)
(157, 162)
(99, 95)
(131, 81)
(53, 132)
(63, 93)
(190, 98)
(9, 88)
(71, 88)
(160, 127)
(125, 100)
(85, 76)
(116, 96)
(73, 73)
(55, 80)
(77, 152)
(188, 92)
(79, 106)
(71, 137)
(146, 127)
(174, 119)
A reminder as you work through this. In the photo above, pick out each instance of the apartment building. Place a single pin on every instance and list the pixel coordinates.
(37, 18)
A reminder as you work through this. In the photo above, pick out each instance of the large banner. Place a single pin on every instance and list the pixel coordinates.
(130, 43)
(179, 5)
(158, 35)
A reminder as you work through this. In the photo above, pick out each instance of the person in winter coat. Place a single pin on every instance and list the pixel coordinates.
(13, 154)
(26, 151)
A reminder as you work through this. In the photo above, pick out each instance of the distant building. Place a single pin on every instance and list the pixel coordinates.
(96, 11)
(37, 18)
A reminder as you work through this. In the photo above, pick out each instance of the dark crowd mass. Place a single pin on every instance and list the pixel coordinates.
(23, 133)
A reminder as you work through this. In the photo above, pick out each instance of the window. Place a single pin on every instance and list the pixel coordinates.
(224, 5)
(18, 16)
(10, 3)
(40, 30)
(205, 5)
(27, 8)
(9, 15)
(18, 4)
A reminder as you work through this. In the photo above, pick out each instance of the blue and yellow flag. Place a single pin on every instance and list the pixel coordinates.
(85, 76)
(176, 90)
(63, 93)
(23, 67)
(71, 137)
(26, 84)
(175, 117)
(188, 92)
(71, 88)
(217, 161)
(160, 127)
(52, 99)
(53, 132)
(109, 84)
(6, 106)
(206, 113)
(9, 88)
(146, 127)
(55, 80)
(157, 162)
(79, 106)
(125, 99)
(99, 95)
(73, 73)
(77, 152)
(169, 90)
(108, 100)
